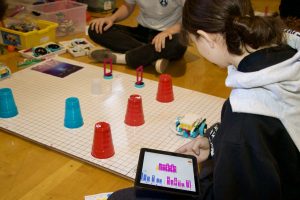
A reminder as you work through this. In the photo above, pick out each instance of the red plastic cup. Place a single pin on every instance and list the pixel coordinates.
(102, 145)
(165, 89)
(134, 114)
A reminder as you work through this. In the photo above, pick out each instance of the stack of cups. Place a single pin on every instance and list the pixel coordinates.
(134, 114)
(102, 144)
(8, 106)
(73, 117)
(165, 89)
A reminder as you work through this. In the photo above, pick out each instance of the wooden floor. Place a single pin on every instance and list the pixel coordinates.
(29, 171)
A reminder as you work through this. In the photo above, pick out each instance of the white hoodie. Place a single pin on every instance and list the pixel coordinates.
(273, 91)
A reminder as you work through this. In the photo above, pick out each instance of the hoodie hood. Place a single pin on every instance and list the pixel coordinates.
(273, 91)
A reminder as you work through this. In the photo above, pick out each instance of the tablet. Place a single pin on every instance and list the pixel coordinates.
(167, 172)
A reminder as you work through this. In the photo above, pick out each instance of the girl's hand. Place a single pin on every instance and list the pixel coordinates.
(160, 39)
(101, 24)
(199, 147)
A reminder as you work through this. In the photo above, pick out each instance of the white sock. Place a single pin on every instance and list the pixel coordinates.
(120, 58)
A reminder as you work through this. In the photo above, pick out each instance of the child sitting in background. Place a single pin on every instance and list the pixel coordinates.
(154, 40)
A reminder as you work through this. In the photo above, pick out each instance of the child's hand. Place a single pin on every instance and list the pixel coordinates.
(199, 147)
(160, 39)
(101, 24)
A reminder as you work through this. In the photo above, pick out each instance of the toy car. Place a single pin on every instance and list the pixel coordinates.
(190, 125)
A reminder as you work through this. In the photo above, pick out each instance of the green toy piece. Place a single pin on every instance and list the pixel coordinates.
(29, 62)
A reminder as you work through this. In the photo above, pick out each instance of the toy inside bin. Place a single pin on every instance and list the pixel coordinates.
(23, 40)
(70, 16)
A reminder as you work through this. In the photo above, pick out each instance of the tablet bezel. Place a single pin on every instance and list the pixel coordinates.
(139, 185)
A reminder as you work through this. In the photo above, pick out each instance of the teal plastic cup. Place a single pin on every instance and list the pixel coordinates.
(73, 117)
(8, 106)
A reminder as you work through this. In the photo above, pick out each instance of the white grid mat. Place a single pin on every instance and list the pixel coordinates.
(40, 100)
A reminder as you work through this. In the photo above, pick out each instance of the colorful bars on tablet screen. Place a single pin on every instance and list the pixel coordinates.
(169, 182)
(167, 167)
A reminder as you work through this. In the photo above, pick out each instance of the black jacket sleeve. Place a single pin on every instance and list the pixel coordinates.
(254, 159)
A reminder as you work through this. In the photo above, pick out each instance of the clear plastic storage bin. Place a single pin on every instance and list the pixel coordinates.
(70, 16)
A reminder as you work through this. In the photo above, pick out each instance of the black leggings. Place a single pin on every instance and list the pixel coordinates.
(135, 42)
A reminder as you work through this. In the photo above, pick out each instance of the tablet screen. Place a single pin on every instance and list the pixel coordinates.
(167, 171)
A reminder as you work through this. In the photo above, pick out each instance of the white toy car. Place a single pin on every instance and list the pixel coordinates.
(190, 125)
